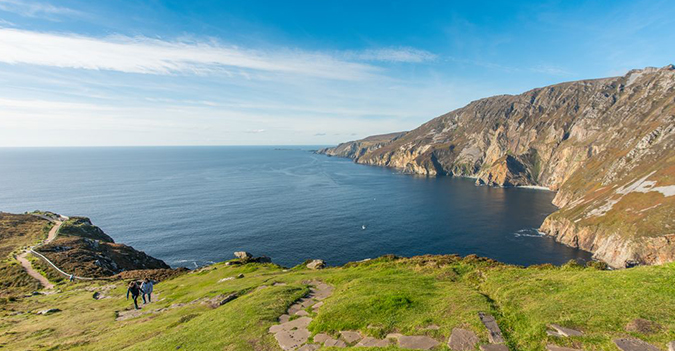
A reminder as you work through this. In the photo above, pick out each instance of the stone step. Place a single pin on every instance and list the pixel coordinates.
(416, 342)
(494, 333)
(462, 340)
(566, 331)
(628, 344)
(369, 341)
(494, 347)
(350, 336)
(560, 348)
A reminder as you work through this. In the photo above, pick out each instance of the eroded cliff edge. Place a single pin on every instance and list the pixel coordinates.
(607, 146)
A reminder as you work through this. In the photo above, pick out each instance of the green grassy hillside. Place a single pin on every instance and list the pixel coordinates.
(18, 231)
(428, 295)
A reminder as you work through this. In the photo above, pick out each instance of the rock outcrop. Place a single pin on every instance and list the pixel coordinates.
(607, 146)
(85, 250)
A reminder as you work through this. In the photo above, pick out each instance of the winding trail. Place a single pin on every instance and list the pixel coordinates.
(28, 267)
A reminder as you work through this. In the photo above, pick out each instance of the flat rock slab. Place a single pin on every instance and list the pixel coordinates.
(494, 347)
(417, 342)
(554, 333)
(321, 338)
(560, 348)
(292, 339)
(671, 346)
(320, 290)
(369, 341)
(462, 340)
(309, 347)
(350, 336)
(626, 344)
(284, 318)
(301, 305)
(301, 322)
(302, 313)
(317, 305)
(566, 331)
(335, 343)
(494, 333)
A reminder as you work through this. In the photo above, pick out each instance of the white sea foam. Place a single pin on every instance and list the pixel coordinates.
(529, 233)
(537, 187)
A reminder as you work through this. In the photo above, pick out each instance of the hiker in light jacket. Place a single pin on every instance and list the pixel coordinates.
(146, 289)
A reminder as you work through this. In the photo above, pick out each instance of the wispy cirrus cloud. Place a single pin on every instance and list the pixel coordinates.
(35, 9)
(154, 56)
(401, 54)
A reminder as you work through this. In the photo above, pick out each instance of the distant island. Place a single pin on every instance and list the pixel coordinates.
(607, 146)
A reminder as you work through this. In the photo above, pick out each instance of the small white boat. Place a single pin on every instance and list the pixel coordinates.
(363, 227)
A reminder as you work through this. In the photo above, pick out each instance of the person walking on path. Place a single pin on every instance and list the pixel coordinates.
(134, 290)
(146, 289)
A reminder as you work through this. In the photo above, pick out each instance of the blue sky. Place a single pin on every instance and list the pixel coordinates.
(96, 73)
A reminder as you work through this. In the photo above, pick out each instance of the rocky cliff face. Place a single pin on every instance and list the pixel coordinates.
(606, 145)
(358, 148)
(85, 250)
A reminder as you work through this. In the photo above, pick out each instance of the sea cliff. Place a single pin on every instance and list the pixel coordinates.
(607, 146)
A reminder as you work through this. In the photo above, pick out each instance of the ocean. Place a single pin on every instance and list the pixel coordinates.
(191, 206)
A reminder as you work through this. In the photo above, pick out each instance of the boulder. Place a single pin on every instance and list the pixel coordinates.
(462, 340)
(643, 326)
(49, 311)
(316, 264)
(239, 276)
(243, 255)
(494, 347)
(228, 298)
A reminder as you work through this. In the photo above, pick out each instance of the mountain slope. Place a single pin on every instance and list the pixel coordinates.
(606, 145)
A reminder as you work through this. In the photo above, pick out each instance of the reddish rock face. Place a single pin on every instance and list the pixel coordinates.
(606, 145)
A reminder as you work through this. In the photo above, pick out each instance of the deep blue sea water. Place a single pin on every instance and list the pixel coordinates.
(195, 205)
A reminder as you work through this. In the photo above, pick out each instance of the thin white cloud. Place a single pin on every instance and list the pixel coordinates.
(255, 131)
(402, 54)
(153, 56)
(550, 70)
(35, 9)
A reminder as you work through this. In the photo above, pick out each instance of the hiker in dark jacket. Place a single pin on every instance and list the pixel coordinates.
(135, 290)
